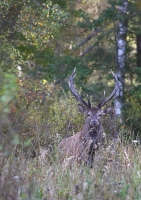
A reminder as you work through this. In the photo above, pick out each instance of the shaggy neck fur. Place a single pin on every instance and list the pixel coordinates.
(91, 132)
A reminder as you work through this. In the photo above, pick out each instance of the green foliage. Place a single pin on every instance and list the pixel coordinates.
(33, 27)
(8, 89)
(132, 111)
(37, 117)
(103, 57)
(9, 55)
(40, 22)
(64, 116)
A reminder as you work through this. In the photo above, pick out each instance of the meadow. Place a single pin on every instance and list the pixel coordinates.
(30, 168)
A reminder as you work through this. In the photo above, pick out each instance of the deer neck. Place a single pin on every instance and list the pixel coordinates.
(86, 128)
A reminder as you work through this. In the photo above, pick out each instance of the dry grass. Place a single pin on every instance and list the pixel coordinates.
(116, 174)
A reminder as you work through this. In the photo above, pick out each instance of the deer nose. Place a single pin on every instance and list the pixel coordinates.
(94, 123)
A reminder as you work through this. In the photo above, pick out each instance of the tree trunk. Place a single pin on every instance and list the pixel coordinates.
(121, 56)
(138, 40)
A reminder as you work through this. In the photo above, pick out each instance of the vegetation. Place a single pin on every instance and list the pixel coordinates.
(32, 169)
(41, 43)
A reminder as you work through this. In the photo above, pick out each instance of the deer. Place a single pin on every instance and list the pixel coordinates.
(82, 146)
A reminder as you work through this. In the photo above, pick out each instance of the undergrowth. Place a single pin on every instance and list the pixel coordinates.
(116, 172)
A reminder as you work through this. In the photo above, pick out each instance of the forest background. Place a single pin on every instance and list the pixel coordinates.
(41, 43)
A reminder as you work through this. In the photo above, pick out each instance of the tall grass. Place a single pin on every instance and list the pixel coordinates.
(116, 173)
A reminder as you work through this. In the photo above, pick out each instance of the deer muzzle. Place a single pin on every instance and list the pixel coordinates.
(94, 122)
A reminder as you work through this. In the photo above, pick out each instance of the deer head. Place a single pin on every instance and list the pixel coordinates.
(93, 113)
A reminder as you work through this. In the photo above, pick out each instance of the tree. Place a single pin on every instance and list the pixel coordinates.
(108, 41)
(9, 16)
(121, 54)
(49, 38)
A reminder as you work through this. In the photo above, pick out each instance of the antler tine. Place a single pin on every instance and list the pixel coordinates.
(73, 90)
(89, 102)
(103, 98)
(115, 77)
(116, 87)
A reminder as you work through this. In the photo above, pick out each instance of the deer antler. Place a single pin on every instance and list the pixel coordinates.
(117, 86)
(74, 92)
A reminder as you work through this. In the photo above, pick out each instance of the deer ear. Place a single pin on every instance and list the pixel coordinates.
(106, 111)
(82, 108)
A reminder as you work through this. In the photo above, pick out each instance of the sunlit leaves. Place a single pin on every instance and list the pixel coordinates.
(9, 56)
(40, 23)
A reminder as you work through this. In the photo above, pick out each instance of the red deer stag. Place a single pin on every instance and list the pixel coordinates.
(82, 145)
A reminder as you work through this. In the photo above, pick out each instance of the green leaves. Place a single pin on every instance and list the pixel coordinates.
(40, 23)
(8, 89)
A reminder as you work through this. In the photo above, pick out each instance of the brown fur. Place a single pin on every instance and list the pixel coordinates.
(81, 146)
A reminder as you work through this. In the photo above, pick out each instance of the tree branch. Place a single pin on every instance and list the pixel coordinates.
(87, 50)
(90, 36)
(90, 47)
